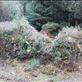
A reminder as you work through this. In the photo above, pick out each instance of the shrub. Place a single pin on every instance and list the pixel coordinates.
(26, 50)
(70, 31)
(68, 45)
(51, 28)
(9, 46)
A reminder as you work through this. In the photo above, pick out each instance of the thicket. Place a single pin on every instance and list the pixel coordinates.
(48, 17)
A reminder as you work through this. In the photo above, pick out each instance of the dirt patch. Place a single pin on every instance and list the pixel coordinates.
(16, 71)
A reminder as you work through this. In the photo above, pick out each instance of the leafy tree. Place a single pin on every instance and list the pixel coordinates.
(41, 12)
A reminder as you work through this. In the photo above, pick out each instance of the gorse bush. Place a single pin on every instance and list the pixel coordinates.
(29, 49)
(26, 50)
(9, 45)
(70, 31)
(68, 44)
(65, 50)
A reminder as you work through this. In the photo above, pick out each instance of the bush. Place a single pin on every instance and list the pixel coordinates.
(51, 28)
(33, 49)
(68, 44)
(9, 46)
(26, 50)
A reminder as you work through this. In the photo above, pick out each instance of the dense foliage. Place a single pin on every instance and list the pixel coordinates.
(42, 12)
(39, 12)
(49, 18)
(68, 44)
(51, 28)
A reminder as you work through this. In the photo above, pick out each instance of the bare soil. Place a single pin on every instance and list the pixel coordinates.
(17, 71)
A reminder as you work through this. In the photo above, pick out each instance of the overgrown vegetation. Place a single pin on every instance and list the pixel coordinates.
(40, 40)
(66, 46)
(9, 45)
(51, 28)
(57, 40)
